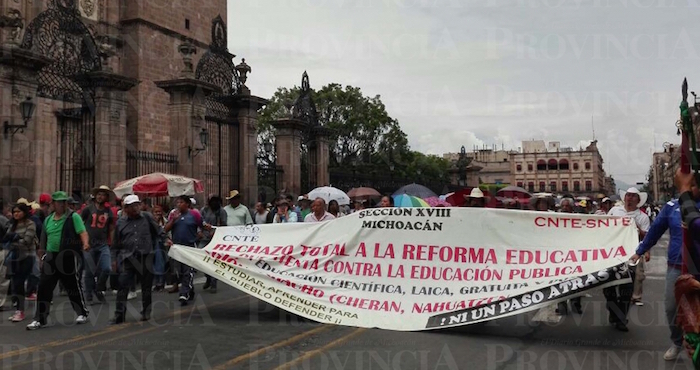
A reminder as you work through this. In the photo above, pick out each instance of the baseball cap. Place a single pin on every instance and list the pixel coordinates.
(44, 198)
(131, 199)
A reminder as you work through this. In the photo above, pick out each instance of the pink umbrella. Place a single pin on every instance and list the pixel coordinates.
(159, 185)
(435, 201)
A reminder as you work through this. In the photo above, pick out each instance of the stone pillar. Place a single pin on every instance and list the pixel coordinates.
(19, 153)
(289, 138)
(247, 107)
(110, 124)
(186, 111)
(322, 157)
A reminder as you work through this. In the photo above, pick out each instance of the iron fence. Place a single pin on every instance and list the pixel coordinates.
(139, 163)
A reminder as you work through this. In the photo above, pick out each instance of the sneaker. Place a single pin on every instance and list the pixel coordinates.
(35, 325)
(183, 300)
(638, 303)
(17, 317)
(206, 285)
(82, 319)
(672, 353)
(131, 295)
(31, 297)
(158, 289)
(100, 296)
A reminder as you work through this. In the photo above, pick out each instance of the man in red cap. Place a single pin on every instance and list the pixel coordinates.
(44, 205)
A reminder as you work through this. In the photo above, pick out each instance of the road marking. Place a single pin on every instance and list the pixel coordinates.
(110, 329)
(285, 342)
(315, 352)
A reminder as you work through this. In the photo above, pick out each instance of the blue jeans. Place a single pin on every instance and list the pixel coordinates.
(98, 265)
(672, 275)
(161, 257)
(212, 281)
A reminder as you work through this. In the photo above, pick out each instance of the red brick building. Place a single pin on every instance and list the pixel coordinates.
(123, 88)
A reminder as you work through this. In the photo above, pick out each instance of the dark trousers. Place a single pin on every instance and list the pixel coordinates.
(618, 300)
(61, 267)
(141, 266)
(33, 279)
(21, 270)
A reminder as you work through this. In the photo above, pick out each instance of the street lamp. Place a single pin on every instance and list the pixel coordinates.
(27, 109)
(203, 139)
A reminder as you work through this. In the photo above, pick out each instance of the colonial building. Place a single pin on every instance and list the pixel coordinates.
(663, 168)
(122, 88)
(486, 166)
(539, 167)
(551, 168)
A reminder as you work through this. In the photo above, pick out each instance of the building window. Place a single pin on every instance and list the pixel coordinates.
(577, 186)
(564, 165)
(588, 166)
(553, 186)
(575, 166)
(564, 186)
(520, 184)
(543, 187)
(531, 187)
(552, 165)
(589, 186)
(519, 168)
(541, 165)
(529, 167)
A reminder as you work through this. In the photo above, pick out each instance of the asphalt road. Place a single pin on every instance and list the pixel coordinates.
(230, 330)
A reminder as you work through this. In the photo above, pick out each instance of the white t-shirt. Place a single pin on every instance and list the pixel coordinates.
(640, 218)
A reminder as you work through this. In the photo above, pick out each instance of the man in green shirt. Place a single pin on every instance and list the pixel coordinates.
(236, 213)
(61, 249)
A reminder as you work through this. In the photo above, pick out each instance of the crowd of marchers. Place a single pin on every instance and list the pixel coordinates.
(123, 243)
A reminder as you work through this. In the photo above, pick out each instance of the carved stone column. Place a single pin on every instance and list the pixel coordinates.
(20, 154)
(247, 108)
(186, 111)
(110, 124)
(322, 156)
(289, 136)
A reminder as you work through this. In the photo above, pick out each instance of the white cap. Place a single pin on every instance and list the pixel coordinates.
(131, 199)
(301, 197)
(194, 202)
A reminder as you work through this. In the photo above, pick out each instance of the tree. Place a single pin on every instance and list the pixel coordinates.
(363, 135)
(360, 126)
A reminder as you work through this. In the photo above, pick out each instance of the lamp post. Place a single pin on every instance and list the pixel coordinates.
(462, 167)
(203, 139)
(27, 109)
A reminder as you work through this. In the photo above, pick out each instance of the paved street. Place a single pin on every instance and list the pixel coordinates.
(229, 330)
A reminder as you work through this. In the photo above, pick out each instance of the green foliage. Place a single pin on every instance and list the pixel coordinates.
(363, 135)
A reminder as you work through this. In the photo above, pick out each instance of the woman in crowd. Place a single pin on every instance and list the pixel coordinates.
(161, 256)
(334, 209)
(283, 214)
(21, 237)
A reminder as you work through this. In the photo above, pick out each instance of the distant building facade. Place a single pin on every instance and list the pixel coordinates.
(543, 167)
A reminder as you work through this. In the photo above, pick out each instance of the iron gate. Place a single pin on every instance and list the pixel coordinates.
(76, 151)
(221, 159)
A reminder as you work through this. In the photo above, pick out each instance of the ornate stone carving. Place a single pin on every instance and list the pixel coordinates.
(13, 20)
(88, 7)
(114, 115)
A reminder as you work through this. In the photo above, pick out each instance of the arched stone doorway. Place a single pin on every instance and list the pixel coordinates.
(59, 34)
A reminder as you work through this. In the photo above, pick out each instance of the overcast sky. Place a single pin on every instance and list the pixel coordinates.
(490, 72)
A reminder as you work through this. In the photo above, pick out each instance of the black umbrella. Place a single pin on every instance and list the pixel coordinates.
(415, 190)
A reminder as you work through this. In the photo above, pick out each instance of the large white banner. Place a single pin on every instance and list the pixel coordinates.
(420, 268)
